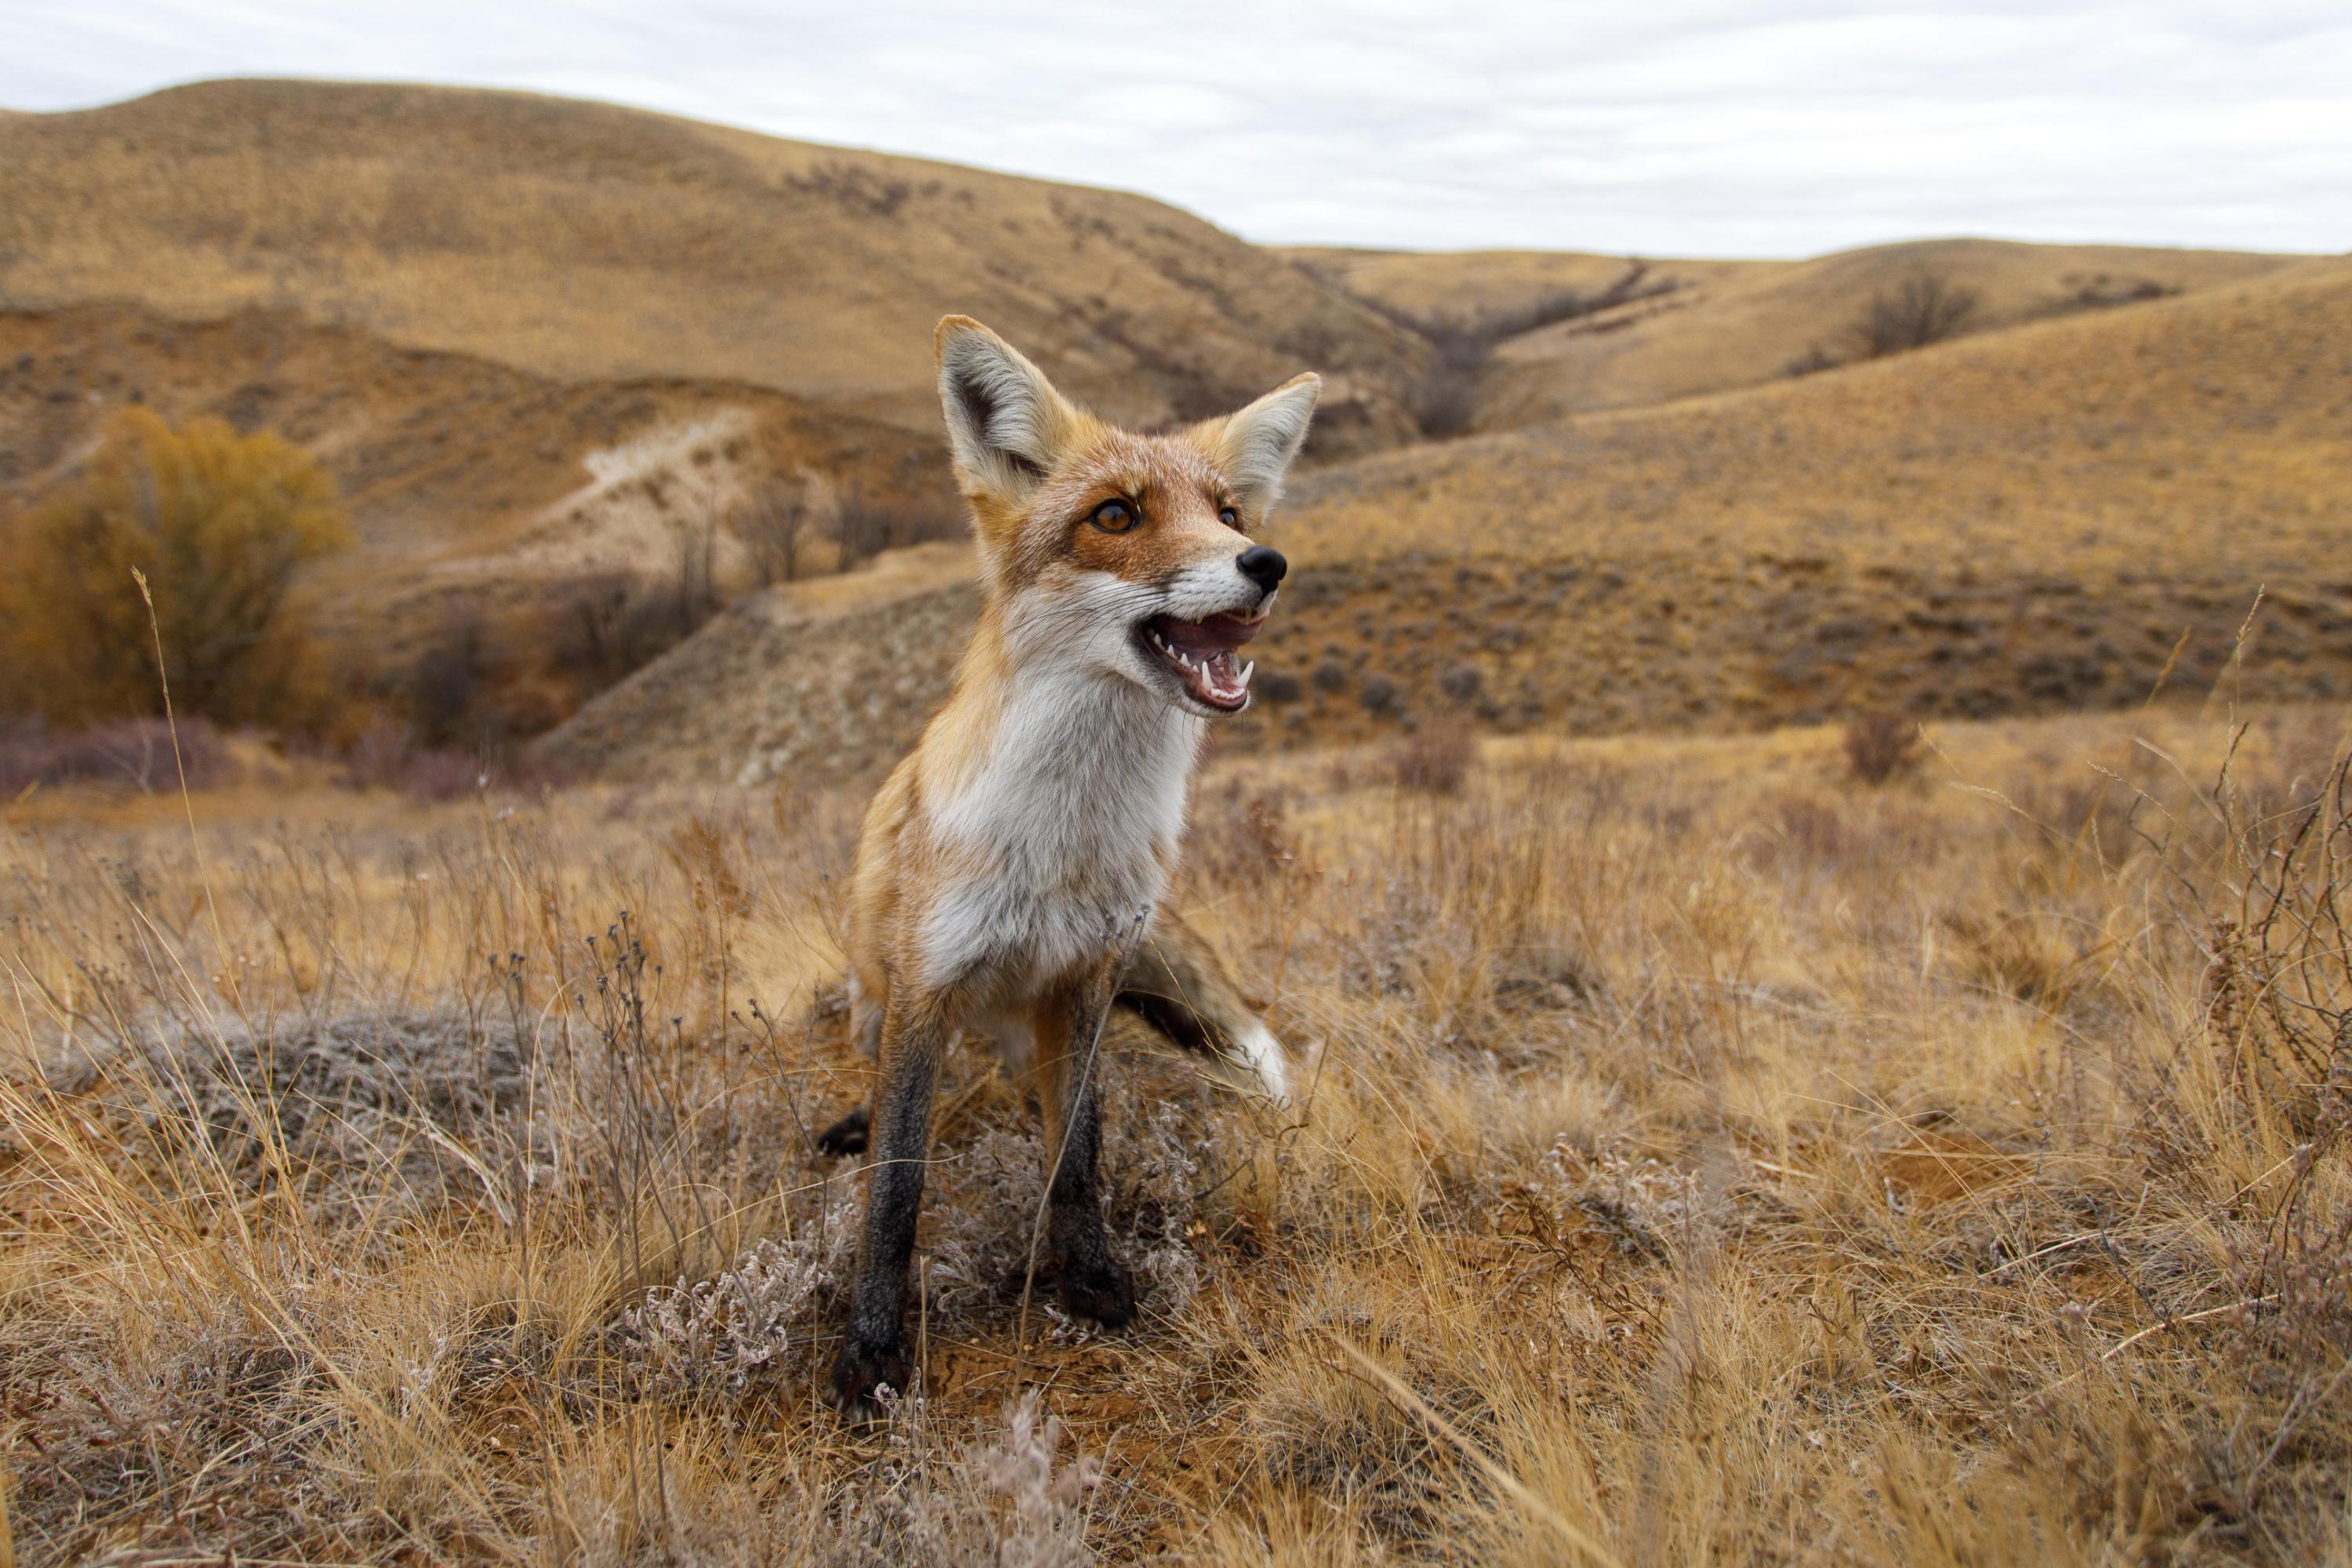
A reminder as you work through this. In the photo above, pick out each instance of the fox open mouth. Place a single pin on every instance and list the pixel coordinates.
(1200, 654)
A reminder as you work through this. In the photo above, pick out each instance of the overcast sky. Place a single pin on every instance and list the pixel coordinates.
(1666, 127)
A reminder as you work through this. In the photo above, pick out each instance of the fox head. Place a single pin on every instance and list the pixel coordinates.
(1113, 553)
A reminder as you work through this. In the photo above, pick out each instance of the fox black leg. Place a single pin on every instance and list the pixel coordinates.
(1068, 1026)
(874, 1351)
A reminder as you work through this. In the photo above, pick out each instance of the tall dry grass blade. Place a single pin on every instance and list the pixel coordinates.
(1577, 1540)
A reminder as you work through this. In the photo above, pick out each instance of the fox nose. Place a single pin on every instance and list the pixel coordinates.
(1263, 565)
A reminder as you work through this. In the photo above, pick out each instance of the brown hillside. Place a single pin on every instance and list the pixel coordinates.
(1694, 327)
(2209, 427)
(579, 240)
(822, 682)
(2028, 520)
(1739, 324)
(463, 477)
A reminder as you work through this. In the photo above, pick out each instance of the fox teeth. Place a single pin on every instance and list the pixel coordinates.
(1242, 679)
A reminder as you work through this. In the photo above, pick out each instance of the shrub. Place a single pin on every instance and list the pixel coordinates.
(219, 524)
(610, 628)
(2101, 292)
(864, 525)
(386, 756)
(1379, 694)
(449, 680)
(1436, 760)
(1330, 675)
(693, 584)
(1880, 744)
(1446, 399)
(774, 527)
(1461, 682)
(1812, 361)
(136, 753)
(1927, 309)
(1274, 687)
(2279, 991)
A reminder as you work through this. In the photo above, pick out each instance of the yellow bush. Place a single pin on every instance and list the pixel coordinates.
(219, 523)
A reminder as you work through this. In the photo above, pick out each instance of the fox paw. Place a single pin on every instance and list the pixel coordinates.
(846, 1136)
(859, 1370)
(1102, 1293)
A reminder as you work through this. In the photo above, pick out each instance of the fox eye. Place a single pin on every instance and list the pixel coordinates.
(1229, 517)
(1114, 517)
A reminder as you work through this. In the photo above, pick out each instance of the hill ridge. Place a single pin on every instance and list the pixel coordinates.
(446, 217)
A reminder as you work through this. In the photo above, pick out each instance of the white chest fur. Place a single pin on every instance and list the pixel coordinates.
(1059, 837)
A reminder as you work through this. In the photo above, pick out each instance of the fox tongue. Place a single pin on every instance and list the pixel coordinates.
(1201, 638)
(1201, 654)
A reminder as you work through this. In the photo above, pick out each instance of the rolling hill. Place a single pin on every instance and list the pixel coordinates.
(539, 342)
(1693, 327)
(582, 241)
(2061, 515)
(1750, 327)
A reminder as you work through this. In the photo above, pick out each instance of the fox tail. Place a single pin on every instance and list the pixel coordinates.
(1177, 985)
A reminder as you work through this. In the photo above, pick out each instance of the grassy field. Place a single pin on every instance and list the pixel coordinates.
(2210, 428)
(1707, 1157)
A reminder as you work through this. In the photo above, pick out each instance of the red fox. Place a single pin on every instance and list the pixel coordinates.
(1011, 871)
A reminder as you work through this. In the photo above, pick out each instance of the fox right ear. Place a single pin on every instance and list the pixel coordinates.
(1006, 424)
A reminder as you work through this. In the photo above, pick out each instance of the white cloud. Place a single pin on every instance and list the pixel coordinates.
(1677, 127)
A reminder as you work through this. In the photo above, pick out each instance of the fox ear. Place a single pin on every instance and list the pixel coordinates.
(1256, 446)
(1006, 424)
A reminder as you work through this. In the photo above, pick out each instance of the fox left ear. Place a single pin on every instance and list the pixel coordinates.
(1256, 447)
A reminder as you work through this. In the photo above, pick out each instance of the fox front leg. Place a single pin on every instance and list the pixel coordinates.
(874, 1351)
(1068, 1024)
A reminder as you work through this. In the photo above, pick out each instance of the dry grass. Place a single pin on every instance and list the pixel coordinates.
(1371, 651)
(1707, 1159)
